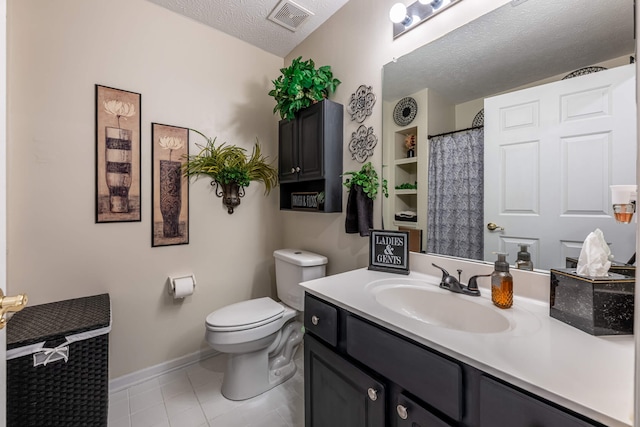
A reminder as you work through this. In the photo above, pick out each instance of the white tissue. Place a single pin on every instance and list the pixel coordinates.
(182, 286)
(595, 256)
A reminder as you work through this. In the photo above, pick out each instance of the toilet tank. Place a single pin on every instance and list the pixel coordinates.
(292, 267)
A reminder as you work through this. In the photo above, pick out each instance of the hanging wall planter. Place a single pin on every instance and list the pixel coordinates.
(230, 170)
(231, 194)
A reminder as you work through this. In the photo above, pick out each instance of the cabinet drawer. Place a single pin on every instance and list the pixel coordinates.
(321, 319)
(407, 413)
(432, 378)
(504, 405)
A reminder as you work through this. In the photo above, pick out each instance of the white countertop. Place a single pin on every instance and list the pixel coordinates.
(587, 374)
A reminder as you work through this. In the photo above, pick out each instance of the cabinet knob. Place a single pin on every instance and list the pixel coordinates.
(293, 170)
(373, 393)
(402, 412)
(297, 168)
(315, 320)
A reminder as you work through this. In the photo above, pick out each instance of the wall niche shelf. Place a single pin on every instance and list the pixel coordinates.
(435, 115)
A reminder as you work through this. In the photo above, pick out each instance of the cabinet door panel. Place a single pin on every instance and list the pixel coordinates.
(430, 377)
(311, 142)
(337, 393)
(287, 151)
(408, 413)
(501, 405)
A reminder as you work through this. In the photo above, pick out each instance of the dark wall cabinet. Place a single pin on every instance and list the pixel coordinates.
(310, 156)
(360, 374)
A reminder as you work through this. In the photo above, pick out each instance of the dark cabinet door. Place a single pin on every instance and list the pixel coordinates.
(502, 405)
(432, 378)
(311, 142)
(288, 151)
(337, 393)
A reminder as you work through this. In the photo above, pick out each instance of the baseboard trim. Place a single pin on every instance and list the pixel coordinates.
(151, 372)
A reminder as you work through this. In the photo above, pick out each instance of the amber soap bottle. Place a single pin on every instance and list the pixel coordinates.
(502, 283)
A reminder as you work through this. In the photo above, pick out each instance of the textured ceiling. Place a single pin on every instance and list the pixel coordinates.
(247, 19)
(513, 46)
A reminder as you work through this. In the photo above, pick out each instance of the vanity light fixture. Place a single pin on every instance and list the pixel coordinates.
(405, 18)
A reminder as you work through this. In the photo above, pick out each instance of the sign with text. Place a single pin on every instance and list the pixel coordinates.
(389, 251)
(304, 200)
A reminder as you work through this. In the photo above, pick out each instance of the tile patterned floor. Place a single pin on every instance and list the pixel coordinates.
(190, 397)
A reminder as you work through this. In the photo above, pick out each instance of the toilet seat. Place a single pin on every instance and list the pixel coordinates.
(245, 315)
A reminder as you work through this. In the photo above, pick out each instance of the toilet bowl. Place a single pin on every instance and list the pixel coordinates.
(261, 335)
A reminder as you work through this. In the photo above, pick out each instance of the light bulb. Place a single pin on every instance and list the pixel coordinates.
(398, 13)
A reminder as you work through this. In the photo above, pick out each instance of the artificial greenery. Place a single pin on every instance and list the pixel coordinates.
(367, 178)
(229, 163)
(301, 85)
(407, 186)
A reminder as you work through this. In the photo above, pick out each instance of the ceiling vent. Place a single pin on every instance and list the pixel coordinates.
(290, 15)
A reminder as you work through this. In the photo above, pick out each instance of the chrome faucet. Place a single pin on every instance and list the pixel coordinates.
(452, 284)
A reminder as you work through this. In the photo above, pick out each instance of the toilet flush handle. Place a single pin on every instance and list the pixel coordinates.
(315, 320)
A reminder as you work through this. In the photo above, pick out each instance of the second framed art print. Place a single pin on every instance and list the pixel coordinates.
(170, 189)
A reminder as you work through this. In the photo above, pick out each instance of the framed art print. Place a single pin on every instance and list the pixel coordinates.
(170, 189)
(117, 155)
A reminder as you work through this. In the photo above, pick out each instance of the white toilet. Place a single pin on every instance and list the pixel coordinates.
(261, 335)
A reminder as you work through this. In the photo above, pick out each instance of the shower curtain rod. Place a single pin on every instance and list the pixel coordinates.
(455, 131)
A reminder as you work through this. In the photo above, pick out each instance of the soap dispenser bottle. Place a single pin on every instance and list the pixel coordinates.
(524, 259)
(502, 282)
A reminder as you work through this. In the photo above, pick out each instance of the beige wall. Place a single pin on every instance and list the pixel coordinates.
(189, 75)
(357, 41)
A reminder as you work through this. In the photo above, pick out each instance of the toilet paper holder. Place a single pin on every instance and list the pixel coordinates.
(174, 279)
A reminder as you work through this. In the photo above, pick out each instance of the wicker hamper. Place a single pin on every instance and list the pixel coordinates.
(57, 364)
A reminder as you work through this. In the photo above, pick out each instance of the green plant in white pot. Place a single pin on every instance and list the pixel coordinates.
(300, 85)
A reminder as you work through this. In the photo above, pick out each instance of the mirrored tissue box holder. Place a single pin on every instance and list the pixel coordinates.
(616, 267)
(596, 305)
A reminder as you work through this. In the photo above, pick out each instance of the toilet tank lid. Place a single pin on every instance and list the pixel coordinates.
(245, 313)
(300, 257)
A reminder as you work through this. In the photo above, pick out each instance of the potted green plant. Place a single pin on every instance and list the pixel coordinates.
(367, 179)
(230, 169)
(301, 85)
(363, 189)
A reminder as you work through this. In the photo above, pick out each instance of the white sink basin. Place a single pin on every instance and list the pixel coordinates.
(439, 307)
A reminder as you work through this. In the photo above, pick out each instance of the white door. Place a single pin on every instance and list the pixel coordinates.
(549, 156)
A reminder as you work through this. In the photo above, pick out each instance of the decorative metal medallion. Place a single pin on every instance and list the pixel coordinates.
(583, 71)
(361, 103)
(478, 120)
(362, 143)
(405, 111)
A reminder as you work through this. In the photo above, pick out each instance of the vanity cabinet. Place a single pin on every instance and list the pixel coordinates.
(358, 373)
(342, 394)
(310, 156)
(499, 402)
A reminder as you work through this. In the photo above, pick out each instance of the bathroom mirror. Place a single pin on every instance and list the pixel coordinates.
(518, 45)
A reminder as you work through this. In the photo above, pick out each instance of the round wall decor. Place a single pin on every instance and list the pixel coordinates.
(478, 120)
(583, 71)
(405, 111)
